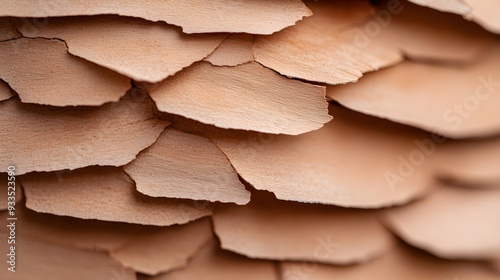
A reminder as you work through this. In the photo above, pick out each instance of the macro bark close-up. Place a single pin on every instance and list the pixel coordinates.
(250, 139)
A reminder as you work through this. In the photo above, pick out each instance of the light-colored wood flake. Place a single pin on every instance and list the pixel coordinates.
(212, 263)
(353, 161)
(343, 40)
(194, 16)
(42, 71)
(278, 230)
(164, 249)
(248, 97)
(402, 262)
(452, 222)
(45, 261)
(107, 194)
(452, 6)
(485, 13)
(182, 165)
(141, 50)
(457, 102)
(234, 50)
(42, 138)
(323, 48)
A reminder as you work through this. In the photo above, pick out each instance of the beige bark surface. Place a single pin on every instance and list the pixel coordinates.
(277, 230)
(194, 16)
(5, 92)
(353, 161)
(42, 138)
(248, 97)
(236, 49)
(212, 263)
(44, 261)
(141, 50)
(458, 101)
(164, 249)
(402, 262)
(70, 231)
(43, 72)
(182, 165)
(452, 223)
(107, 194)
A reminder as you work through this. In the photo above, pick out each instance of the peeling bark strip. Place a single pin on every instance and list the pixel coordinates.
(443, 231)
(248, 97)
(194, 16)
(266, 228)
(41, 71)
(181, 165)
(107, 194)
(459, 101)
(139, 49)
(42, 138)
(211, 262)
(323, 47)
(163, 249)
(324, 166)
